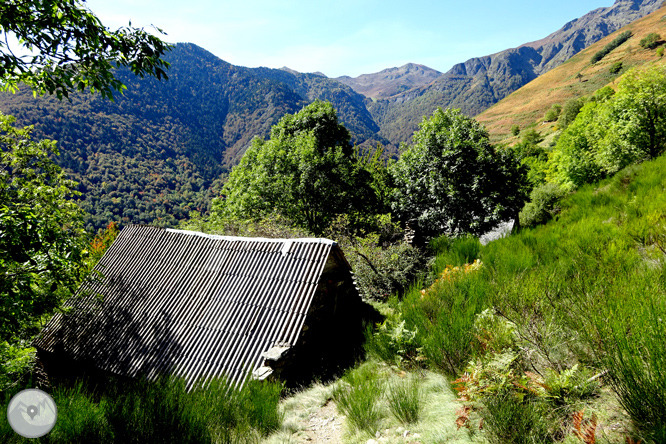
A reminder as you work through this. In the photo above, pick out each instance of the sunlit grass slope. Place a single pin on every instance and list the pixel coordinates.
(527, 106)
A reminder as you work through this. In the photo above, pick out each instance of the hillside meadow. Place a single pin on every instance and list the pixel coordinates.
(553, 334)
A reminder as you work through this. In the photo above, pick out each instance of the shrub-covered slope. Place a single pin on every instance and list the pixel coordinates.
(564, 320)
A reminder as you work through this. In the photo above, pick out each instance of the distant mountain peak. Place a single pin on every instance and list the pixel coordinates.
(391, 81)
(294, 72)
(289, 70)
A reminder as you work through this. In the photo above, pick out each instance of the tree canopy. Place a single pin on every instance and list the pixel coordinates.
(452, 180)
(307, 171)
(41, 234)
(613, 130)
(62, 47)
(57, 46)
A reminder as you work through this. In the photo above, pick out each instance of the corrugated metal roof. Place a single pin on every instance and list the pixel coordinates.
(190, 304)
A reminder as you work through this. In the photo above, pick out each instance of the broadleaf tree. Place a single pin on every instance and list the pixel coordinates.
(452, 180)
(52, 47)
(60, 46)
(42, 239)
(306, 171)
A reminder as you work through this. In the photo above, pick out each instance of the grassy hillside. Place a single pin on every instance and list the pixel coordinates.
(552, 335)
(527, 106)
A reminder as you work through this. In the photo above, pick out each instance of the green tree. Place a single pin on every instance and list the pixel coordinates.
(307, 171)
(570, 110)
(62, 47)
(41, 232)
(553, 113)
(452, 180)
(70, 49)
(573, 161)
(615, 68)
(636, 120)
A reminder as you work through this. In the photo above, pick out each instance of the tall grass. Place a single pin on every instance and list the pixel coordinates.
(633, 349)
(405, 400)
(357, 397)
(587, 288)
(161, 412)
(509, 420)
(443, 320)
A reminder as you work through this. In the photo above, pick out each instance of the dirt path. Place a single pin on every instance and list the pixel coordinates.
(324, 425)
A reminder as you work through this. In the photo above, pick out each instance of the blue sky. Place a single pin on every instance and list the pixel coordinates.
(347, 37)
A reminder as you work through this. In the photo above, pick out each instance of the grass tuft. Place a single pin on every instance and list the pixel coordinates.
(405, 400)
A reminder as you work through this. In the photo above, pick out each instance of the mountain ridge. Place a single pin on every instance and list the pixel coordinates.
(480, 82)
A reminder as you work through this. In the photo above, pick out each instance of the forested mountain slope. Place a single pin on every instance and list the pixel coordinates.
(154, 153)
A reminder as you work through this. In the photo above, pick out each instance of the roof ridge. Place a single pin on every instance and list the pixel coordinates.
(315, 240)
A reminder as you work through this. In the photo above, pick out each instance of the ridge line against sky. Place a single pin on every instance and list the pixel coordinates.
(347, 37)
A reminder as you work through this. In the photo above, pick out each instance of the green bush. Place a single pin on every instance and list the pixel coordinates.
(650, 41)
(17, 365)
(515, 130)
(542, 205)
(620, 39)
(508, 419)
(553, 113)
(570, 110)
(660, 51)
(393, 343)
(383, 271)
(383, 264)
(443, 320)
(615, 68)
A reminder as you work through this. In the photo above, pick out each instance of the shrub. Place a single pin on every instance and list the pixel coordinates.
(515, 130)
(615, 68)
(443, 316)
(620, 39)
(553, 113)
(383, 271)
(382, 262)
(508, 419)
(650, 41)
(393, 343)
(542, 205)
(18, 364)
(570, 110)
(660, 51)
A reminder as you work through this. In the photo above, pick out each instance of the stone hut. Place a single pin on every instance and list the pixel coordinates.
(201, 306)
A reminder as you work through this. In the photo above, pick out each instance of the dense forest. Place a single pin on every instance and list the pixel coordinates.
(158, 150)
